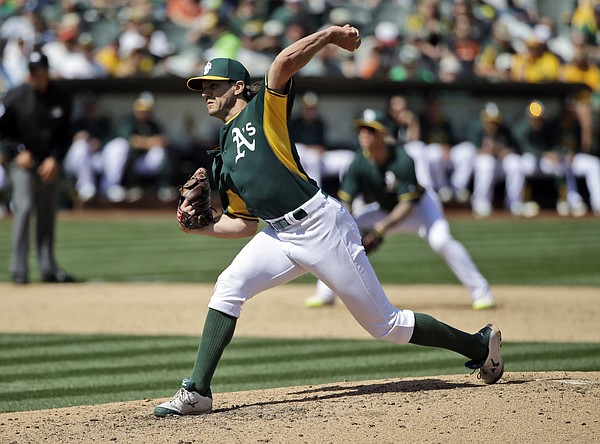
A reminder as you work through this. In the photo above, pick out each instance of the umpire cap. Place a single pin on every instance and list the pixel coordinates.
(37, 61)
(220, 69)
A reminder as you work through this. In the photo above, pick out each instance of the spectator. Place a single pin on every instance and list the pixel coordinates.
(138, 153)
(76, 59)
(140, 34)
(385, 175)
(250, 52)
(247, 15)
(411, 67)
(536, 65)
(465, 45)
(379, 53)
(581, 70)
(270, 42)
(35, 131)
(327, 63)
(497, 158)
(493, 63)
(480, 25)
(184, 13)
(224, 42)
(450, 69)
(309, 130)
(426, 29)
(295, 11)
(586, 20)
(450, 159)
(85, 160)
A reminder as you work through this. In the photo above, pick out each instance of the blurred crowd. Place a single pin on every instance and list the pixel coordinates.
(403, 40)
(422, 40)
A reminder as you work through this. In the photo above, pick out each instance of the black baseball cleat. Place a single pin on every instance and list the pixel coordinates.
(59, 277)
(20, 280)
(491, 368)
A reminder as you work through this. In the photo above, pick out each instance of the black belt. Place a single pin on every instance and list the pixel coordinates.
(282, 223)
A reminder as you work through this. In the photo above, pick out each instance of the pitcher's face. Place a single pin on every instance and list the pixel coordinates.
(219, 97)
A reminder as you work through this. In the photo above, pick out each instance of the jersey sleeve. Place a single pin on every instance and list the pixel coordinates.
(408, 187)
(350, 185)
(234, 206)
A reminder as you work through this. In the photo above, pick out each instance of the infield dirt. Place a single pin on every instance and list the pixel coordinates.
(554, 407)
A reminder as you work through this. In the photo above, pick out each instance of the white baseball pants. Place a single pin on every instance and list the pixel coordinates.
(327, 244)
(488, 169)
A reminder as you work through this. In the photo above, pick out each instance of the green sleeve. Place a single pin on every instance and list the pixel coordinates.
(408, 188)
(350, 185)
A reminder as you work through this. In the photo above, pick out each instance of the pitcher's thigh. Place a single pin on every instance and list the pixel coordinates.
(262, 264)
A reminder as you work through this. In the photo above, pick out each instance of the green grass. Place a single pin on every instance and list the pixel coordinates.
(48, 371)
(151, 248)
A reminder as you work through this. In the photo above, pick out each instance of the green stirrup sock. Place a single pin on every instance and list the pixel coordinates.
(433, 333)
(217, 333)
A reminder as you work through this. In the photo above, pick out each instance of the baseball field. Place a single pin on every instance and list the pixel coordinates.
(88, 362)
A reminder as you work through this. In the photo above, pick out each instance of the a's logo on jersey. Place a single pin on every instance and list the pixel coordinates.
(390, 182)
(207, 68)
(242, 143)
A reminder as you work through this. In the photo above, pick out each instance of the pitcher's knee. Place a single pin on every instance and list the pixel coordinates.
(228, 296)
(398, 330)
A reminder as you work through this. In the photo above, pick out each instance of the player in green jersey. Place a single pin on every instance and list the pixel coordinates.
(384, 175)
(257, 172)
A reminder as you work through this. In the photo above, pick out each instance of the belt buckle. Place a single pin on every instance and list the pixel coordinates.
(280, 225)
(299, 214)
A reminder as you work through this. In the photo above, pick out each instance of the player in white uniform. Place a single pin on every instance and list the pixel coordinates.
(386, 177)
(258, 174)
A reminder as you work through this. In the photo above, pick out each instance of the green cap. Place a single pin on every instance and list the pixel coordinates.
(220, 69)
(372, 119)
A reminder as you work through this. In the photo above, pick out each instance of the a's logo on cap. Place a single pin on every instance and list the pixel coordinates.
(369, 115)
(35, 57)
(207, 68)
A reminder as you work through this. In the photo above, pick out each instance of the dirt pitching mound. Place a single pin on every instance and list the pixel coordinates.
(525, 408)
(556, 407)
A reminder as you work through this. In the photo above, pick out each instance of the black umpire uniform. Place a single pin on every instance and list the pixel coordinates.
(35, 130)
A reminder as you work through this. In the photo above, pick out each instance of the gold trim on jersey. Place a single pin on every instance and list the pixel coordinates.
(413, 195)
(227, 123)
(344, 196)
(237, 207)
(276, 131)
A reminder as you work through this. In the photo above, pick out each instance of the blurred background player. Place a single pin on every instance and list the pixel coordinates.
(405, 127)
(85, 159)
(450, 159)
(497, 158)
(384, 175)
(138, 154)
(543, 157)
(309, 131)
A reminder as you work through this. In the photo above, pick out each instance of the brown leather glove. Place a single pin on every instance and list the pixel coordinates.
(195, 197)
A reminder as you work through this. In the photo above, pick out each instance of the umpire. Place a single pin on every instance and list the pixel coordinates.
(35, 133)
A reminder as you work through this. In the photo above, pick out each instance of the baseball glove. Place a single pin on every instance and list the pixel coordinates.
(196, 194)
(372, 240)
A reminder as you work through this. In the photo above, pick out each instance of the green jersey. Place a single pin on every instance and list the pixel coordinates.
(387, 184)
(256, 167)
